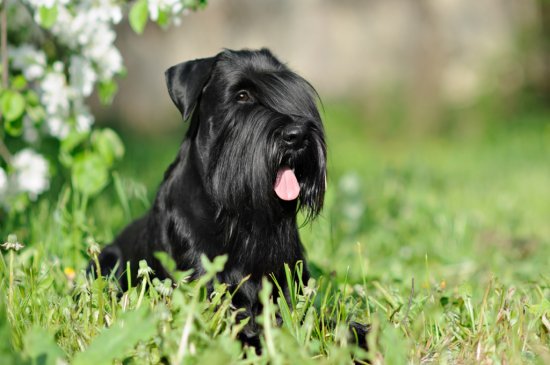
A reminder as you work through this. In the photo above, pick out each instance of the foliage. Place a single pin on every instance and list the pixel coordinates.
(440, 244)
(58, 52)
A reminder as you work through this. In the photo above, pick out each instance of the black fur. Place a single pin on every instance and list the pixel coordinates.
(217, 197)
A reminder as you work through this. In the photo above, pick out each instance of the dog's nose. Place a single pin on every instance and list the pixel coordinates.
(294, 134)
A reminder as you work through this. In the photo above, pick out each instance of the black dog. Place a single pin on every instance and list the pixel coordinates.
(254, 155)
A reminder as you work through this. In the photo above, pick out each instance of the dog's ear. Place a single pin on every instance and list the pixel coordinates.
(185, 82)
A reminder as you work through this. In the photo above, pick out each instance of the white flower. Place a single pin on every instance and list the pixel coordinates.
(42, 3)
(56, 96)
(83, 76)
(153, 7)
(30, 134)
(110, 63)
(85, 27)
(169, 6)
(3, 181)
(47, 3)
(176, 6)
(31, 172)
(55, 93)
(58, 66)
(87, 30)
(84, 119)
(37, 4)
(84, 122)
(108, 10)
(63, 28)
(102, 52)
(56, 127)
(28, 59)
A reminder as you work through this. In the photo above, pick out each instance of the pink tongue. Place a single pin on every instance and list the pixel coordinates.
(286, 185)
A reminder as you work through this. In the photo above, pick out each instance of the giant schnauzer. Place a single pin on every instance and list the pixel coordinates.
(254, 155)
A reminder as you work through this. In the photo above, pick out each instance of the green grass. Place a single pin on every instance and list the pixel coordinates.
(441, 244)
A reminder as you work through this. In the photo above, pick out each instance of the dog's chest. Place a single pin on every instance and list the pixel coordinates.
(251, 248)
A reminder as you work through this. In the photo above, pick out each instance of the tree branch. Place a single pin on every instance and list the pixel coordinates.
(4, 45)
(4, 152)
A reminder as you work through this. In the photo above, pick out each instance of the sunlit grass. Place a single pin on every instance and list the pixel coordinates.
(441, 244)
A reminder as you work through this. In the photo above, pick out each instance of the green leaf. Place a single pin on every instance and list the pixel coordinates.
(68, 146)
(122, 196)
(116, 341)
(32, 98)
(72, 141)
(222, 350)
(36, 113)
(8, 354)
(89, 173)
(194, 4)
(169, 265)
(106, 91)
(12, 104)
(65, 158)
(138, 16)
(166, 261)
(393, 345)
(540, 308)
(14, 127)
(265, 292)
(48, 16)
(215, 266)
(108, 145)
(163, 19)
(41, 347)
(19, 83)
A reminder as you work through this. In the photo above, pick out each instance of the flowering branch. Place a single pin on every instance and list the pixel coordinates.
(45, 92)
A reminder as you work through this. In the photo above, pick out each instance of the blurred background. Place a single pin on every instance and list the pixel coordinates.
(402, 64)
(437, 116)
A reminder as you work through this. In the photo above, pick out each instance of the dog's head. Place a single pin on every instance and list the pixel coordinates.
(256, 129)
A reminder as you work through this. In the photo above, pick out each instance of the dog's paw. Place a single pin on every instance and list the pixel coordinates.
(359, 332)
(251, 341)
(109, 262)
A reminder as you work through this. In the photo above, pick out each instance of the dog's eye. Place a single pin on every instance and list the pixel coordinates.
(243, 97)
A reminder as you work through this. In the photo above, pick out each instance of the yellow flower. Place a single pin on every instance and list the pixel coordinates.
(69, 273)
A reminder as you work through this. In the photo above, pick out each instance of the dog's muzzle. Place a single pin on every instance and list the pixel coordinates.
(286, 184)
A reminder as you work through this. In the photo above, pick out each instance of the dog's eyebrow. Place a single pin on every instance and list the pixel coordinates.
(286, 93)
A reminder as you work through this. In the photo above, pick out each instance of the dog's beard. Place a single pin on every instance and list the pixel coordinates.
(248, 157)
(309, 165)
